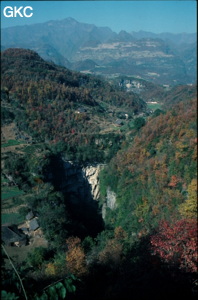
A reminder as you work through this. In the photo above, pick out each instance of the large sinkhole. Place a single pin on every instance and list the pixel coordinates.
(70, 179)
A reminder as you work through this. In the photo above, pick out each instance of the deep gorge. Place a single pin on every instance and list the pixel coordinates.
(80, 188)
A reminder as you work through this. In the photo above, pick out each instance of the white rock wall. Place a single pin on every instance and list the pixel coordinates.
(92, 175)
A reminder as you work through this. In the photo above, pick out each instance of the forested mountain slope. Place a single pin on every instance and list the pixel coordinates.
(56, 105)
(151, 177)
(149, 203)
(178, 94)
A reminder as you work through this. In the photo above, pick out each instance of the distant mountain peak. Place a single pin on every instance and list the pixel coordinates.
(156, 57)
(125, 35)
(71, 19)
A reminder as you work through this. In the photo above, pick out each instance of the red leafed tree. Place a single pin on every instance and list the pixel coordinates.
(174, 181)
(177, 244)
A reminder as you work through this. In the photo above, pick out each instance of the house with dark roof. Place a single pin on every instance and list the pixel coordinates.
(29, 216)
(33, 224)
(12, 236)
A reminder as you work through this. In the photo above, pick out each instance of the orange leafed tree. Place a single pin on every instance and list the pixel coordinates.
(174, 181)
(75, 257)
(120, 234)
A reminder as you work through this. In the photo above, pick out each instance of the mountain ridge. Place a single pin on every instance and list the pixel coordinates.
(113, 53)
(177, 38)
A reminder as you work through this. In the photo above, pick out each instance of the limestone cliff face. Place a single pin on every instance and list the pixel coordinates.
(92, 175)
(80, 188)
(110, 202)
(111, 199)
(81, 181)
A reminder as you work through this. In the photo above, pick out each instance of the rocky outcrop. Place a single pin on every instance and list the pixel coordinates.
(111, 199)
(110, 202)
(79, 186)
(81, 181)
(92, 175)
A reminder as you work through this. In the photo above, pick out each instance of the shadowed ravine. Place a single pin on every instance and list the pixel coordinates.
(70, 179)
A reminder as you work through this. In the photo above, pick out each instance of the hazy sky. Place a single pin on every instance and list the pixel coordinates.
(155, 16)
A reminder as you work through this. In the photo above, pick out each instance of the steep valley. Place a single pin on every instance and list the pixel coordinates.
(110, 183)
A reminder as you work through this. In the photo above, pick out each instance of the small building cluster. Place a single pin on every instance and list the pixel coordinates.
(13, 235)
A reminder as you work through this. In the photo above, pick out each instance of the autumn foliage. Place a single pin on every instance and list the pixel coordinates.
(174, 181)
(75, 256)
(51, 269)
(154, 177)
(113, 250)
(176, 244)
(188, 209)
